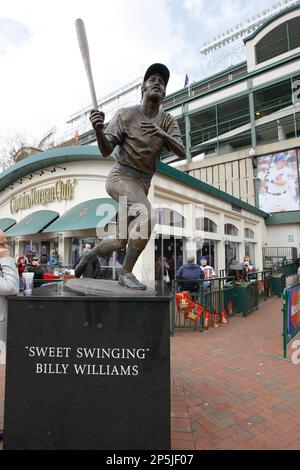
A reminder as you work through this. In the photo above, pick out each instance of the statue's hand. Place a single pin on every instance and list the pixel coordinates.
(97, 119)
(151, 129)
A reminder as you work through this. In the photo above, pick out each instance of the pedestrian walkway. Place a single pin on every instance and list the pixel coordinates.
(231, 389)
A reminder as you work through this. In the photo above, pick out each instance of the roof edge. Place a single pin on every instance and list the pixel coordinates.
(167, 170)
(269, 21)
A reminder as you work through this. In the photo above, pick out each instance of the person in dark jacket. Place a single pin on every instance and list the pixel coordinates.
(33, 266)
(190, 272)
(92, 268)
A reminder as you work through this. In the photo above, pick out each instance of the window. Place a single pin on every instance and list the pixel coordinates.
(250, 251)
(273, 44)
(231, 252)
(203, 126)
(248, 233)
(230, 229)
(233, 114)
(284, 38)
(294, 32)
(207, 248)
(272, 98)
(206, 225)
(166, 216)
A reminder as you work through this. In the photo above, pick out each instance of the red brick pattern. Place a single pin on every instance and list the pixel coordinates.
(231, 388)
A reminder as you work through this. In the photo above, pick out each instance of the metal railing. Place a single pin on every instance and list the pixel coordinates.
(214, 295)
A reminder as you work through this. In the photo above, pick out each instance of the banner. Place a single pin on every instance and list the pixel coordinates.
(293, 311)
(277, 174)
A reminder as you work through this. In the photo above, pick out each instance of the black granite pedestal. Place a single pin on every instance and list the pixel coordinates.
(88, 372)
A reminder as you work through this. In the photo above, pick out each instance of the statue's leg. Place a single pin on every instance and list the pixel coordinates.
(141, 223)
(139, 233)
(107, 246)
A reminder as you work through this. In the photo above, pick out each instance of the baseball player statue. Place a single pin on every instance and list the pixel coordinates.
(140, 133)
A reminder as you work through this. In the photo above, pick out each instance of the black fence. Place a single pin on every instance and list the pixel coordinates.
(215, 298)
(273, 256)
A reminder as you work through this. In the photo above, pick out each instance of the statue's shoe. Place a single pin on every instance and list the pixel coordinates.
(129, 280)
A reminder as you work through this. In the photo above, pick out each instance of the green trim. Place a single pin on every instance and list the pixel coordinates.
(278, 218)
(208, 79)
(270, 20)
(173, 173)
(50, 158)
(86, 215)
(88, 152)
(33, 223)
(6, 223)
(232, 82)
(202, 93)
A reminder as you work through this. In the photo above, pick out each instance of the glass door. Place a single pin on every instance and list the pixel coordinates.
(231, 252)
(209, 250)
(168, 252)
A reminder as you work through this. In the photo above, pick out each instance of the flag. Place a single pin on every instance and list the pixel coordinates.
(186, 81)
(76, 136)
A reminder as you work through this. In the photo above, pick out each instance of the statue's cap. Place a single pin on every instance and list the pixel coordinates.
(158, 68)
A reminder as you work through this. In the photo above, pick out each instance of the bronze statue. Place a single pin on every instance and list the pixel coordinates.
(140, 132)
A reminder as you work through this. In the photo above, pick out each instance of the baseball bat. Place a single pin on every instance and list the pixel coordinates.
(84, 48)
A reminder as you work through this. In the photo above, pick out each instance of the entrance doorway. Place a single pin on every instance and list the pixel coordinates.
(231, 251)
(45, 251)
(209, 250)
(171, 249)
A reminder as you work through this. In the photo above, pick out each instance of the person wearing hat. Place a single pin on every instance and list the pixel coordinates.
(280, 181)
(140, 133)
(208, 271)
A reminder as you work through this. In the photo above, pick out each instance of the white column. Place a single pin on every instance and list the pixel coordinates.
(67, 251)
(242, 241)
(61, 247)
(17, 247)
(190, 247)
(221, 244)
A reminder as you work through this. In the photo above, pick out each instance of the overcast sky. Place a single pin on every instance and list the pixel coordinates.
(41, 73)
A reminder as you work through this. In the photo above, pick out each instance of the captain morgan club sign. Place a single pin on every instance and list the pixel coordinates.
(58, 192)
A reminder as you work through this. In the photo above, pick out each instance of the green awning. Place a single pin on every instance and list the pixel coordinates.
(33, 223)
(5, 224)
(89, 214)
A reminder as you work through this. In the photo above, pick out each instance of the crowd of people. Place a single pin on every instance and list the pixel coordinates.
(166, 271)
(30, 262)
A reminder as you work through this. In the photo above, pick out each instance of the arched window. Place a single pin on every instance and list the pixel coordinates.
(283, 38)
(169, 217)
(230, 229)
(248, 233)
(273, 44)
(206, 225)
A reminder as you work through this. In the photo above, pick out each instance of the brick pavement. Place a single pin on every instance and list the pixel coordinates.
(230, 387)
